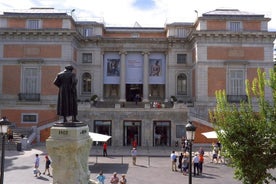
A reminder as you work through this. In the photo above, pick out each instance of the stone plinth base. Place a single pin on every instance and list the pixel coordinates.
(69, 149)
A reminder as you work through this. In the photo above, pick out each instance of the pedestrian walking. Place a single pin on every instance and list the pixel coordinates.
(47, 165)
(173, 159)
(123, 179)
(36, 165)
(200, 164)
(10, 135)
(196, 163)
(101, 177)
(201, 151)
(180, 161)
(185, 164)
(114, 179)
(105, 149)
(134, 155)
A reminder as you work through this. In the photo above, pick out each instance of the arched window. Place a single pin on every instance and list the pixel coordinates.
(182, 84)
(86, 82)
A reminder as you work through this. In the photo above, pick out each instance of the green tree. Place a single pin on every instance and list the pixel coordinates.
(247, 131)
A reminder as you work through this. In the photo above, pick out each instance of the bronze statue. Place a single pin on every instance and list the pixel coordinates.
(66, 81)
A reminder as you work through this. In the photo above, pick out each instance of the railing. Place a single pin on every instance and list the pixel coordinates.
(237, 98)
(29, 97)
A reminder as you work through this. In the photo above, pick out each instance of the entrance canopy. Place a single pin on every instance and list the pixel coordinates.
(99, 137)
(210, 135)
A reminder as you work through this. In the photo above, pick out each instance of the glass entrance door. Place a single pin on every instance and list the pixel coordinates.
(132, 90)
(132, 133)
(161, 133)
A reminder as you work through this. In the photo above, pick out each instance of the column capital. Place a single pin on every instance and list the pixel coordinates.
(122, 52)
(145, 52)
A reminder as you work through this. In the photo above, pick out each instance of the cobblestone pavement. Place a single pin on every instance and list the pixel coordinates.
(155, 169)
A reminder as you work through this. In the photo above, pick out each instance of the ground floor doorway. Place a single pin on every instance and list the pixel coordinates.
(134, 92)
(132, 133)
(161, 133)
(102, 127)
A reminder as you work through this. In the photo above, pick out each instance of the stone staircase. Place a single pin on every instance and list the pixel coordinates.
(17, 133)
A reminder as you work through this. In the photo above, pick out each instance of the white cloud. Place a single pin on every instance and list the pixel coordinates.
(123, 13)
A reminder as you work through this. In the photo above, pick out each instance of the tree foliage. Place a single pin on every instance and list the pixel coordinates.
(247, 131)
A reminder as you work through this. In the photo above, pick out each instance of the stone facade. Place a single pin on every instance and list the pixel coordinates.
(218, 51)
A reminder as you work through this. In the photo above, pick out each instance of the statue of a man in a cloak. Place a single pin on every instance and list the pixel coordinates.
(66, 81)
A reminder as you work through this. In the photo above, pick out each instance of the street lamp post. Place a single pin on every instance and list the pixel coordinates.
(190, 136)
(4, 123)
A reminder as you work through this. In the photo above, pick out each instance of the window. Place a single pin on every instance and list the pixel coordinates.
(31, 80)
(135, 35)
(33, 24)
(86, 82)
(236, 82)
(88, 32)
(181, 58)
(182, 84)
(181, 32)
(87, 58)
(29, 118)
(235, 26)
(180, 131)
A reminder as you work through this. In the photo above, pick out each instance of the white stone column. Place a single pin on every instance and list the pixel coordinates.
(146, 77)
(167, 78)
(123, 77)
(69, 149)
(101, 88)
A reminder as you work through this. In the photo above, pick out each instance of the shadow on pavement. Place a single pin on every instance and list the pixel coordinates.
(42, 178)
(108, 168)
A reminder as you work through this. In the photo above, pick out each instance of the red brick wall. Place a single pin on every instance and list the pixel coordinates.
(48, 75)
(216, 25)
(252, 73)
(14, 115)
(11, 79)
(252, 25)
(200, 128)
(16, 23)
(216, 80)
(46, 23)
(51, 23)
(221, 25)
(235, 53)
(32, 51)
(44, 134)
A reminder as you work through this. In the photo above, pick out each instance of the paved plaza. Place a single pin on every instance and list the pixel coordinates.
(155, 168)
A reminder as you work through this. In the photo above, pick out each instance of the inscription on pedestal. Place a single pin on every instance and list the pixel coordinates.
(69, 132)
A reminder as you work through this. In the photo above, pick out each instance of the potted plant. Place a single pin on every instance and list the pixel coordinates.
(173, 99)
(94, 99)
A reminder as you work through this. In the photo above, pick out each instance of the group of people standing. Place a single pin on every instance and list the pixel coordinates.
(182, 162)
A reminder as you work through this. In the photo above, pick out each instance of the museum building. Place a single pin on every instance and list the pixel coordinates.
(134, 83)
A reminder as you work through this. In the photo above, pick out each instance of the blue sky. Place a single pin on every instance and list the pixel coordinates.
(148, 13)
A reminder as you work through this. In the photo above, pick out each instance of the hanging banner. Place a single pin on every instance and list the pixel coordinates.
(111, 68)
(134, 68)
(157, 68)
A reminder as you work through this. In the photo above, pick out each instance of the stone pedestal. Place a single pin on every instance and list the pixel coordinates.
(69, 149)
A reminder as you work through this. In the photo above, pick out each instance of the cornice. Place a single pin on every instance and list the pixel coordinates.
(38, 33)
(244, 34)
